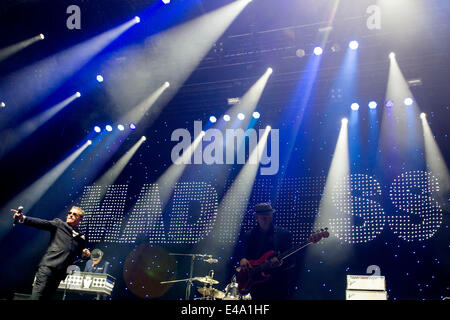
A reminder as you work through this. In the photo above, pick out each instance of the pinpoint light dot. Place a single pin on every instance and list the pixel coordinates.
(121, 127)
(355, 106)
(373, 105)
(97, 129)
(213, 119)
(256, 115)
(41, 36)
(108, 128)
(241, 116)
(389, 103)
(300, 53)
(89, 142)
(409, 102)
(137, 19)
(353, 45)
(144, 138)
(226, 117)
(78, 94)
(132, 126)
(318, 51)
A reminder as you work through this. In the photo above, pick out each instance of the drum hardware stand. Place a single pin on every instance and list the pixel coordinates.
(191, 271)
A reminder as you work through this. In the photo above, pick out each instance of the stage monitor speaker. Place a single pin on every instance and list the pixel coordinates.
(366, 288)
(366, 283)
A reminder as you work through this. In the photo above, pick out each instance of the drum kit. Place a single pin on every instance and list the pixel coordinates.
(207, 282)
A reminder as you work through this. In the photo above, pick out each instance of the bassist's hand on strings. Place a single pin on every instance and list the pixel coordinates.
(274, 262)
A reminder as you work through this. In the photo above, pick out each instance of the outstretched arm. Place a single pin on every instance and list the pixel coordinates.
(34, 222)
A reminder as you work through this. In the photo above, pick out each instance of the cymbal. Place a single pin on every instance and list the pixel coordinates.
(206, 279)
(211, 292)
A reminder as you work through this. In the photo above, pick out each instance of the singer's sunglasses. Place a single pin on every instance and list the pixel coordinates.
(75, 214)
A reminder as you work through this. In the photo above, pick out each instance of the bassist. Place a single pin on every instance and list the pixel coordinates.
(265, 237)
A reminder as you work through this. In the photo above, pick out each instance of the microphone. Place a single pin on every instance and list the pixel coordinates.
(210, 260)
(19, 211)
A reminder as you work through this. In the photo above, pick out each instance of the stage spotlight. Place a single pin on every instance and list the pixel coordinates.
(137, 19)
(202, 133)
(167, 84)
(41, 36)
(270, 70)
(392, 55)
(78, 94)
(344, 121)
(97, 129)
(2, 104)
(353, 45)
(423, 115)
(99, 78)
(166, 1)
(318, 51)
(390, 103)
(256, 115)
(213, 119)
(409, 102)
(108, 128)
(32, 194)
(241, 116)
(355, 106)
(73, 59)
(300, 53)
(121, 127)
(373, 105)
(268, 128)
(144, 138)
(226, 118)
(132, 126)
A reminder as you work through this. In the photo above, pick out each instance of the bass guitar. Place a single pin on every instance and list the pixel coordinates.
(259, 271)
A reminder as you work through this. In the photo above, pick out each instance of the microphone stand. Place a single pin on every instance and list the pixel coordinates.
(191, 271)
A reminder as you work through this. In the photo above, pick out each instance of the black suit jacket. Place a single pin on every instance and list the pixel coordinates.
(66, 244)
(258, 242)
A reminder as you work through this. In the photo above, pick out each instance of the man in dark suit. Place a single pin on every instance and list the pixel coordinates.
(67, 244)
(96, 264)
(261, 239)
